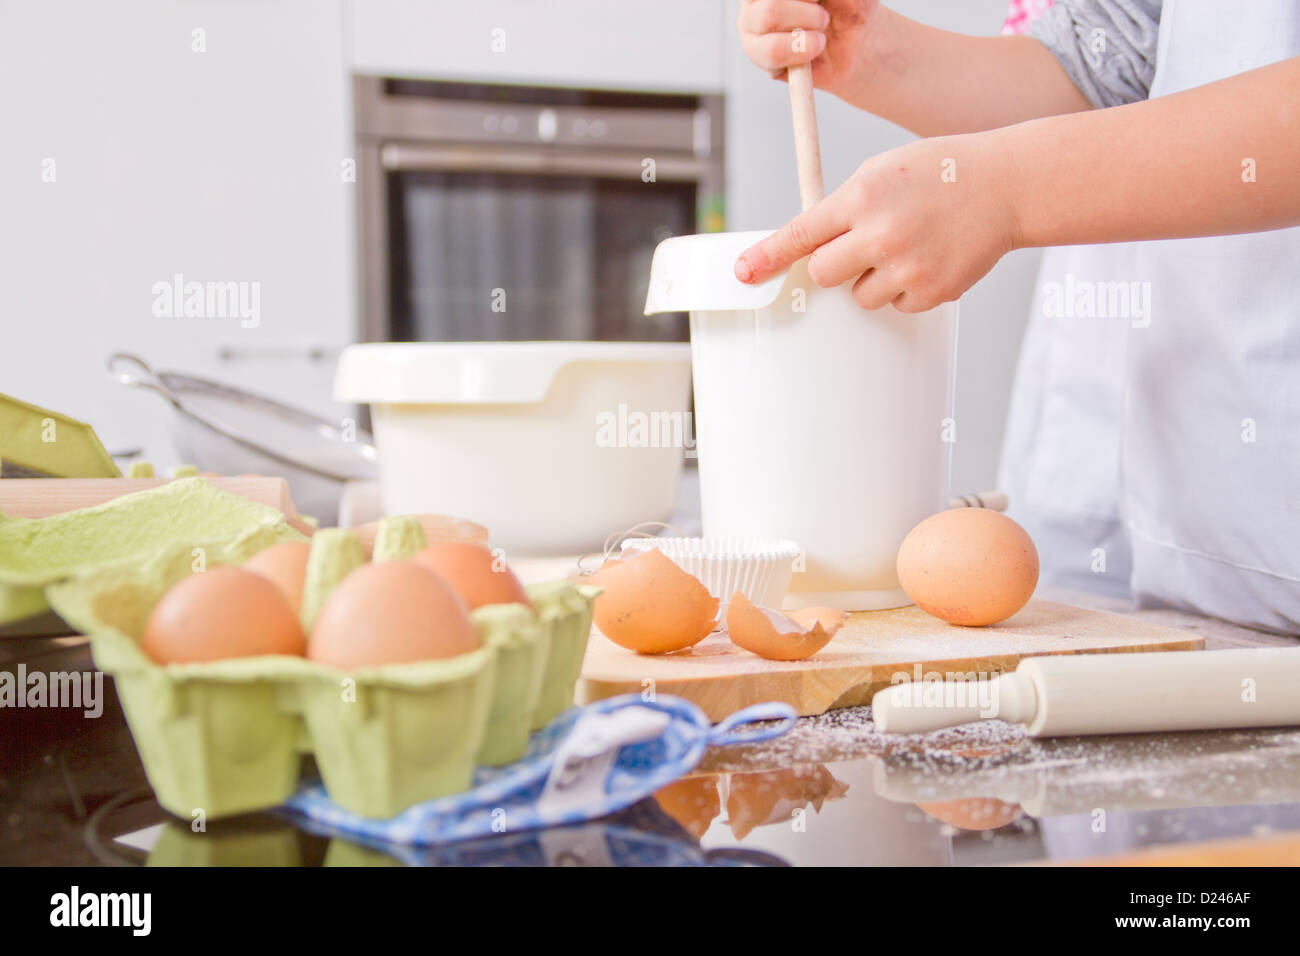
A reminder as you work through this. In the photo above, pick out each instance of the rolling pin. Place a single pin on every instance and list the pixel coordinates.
(1110, 694)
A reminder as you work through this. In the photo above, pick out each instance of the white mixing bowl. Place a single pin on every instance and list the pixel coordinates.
(551, 445)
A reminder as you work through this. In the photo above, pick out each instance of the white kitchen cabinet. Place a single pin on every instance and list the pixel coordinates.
(667, 45)
(204, 138)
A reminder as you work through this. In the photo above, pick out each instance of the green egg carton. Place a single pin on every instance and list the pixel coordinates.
(522, 641)
(385, 738)
(346, 854)
(259, 843)
(46, 442)
(254, 841)
(224, 737)
(36, 553)
(567, 609)
(215, 738)
(227, 737)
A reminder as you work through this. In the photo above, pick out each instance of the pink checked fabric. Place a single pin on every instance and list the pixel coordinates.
(1022, 12)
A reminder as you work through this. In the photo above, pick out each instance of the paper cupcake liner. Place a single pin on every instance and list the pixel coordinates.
(758, 568)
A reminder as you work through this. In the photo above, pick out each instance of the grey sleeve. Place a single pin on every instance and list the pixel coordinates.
(1108, 47)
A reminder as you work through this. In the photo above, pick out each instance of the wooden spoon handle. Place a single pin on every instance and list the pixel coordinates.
(807, 148)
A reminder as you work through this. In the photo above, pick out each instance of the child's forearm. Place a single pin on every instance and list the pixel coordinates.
(1218, 159)
(937, 83)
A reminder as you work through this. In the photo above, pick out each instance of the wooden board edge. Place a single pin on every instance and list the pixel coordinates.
(814, 694)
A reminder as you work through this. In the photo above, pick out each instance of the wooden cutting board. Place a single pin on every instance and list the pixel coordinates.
(41, 497)
(870, 648)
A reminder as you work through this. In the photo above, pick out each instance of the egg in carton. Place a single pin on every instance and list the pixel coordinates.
(228, 736)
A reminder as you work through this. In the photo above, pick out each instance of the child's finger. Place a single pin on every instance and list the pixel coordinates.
(843, 258)
(875, 289)
(796, 239)
(782, 16)
(776, 51)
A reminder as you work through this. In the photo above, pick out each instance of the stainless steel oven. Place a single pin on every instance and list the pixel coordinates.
(525, 213)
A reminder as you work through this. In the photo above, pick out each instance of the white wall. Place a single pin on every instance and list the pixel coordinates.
(665, 45)
(762, 193)
(220, 165)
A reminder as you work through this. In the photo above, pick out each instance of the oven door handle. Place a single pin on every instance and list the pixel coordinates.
(550, 161)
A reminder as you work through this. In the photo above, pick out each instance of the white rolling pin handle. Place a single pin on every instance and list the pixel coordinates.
(918, 707)
(1146, 693)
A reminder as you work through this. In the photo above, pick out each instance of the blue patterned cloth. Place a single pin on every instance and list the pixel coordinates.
(508, 799)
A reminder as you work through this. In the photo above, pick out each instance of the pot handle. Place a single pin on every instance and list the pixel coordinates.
(134, 372)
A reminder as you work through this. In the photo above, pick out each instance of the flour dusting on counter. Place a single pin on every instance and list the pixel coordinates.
(849, 733)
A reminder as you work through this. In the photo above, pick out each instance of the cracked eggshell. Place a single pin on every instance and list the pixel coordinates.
(830, 618)
(778, 636)
(652, 606)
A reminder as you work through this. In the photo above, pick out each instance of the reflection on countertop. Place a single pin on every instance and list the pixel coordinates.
(831, 792)
(986, 794)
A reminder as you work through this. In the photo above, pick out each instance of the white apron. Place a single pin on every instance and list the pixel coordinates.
(1155, 451)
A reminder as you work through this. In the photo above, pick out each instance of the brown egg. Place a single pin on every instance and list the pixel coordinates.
(221, 613)
(394, 612)
(973, 813)
(968, 566)
(473, 572)
(777, 636)
(285, 566)
(652, 606)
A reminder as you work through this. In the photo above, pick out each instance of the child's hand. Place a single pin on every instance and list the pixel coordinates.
(915, 226)
(838, 38)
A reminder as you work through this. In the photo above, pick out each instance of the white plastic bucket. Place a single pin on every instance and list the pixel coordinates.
(531, 439)
(815, 420)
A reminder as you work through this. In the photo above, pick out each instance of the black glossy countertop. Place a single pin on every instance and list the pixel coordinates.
(832, 792)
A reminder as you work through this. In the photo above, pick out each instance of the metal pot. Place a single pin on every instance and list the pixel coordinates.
(231, 431)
